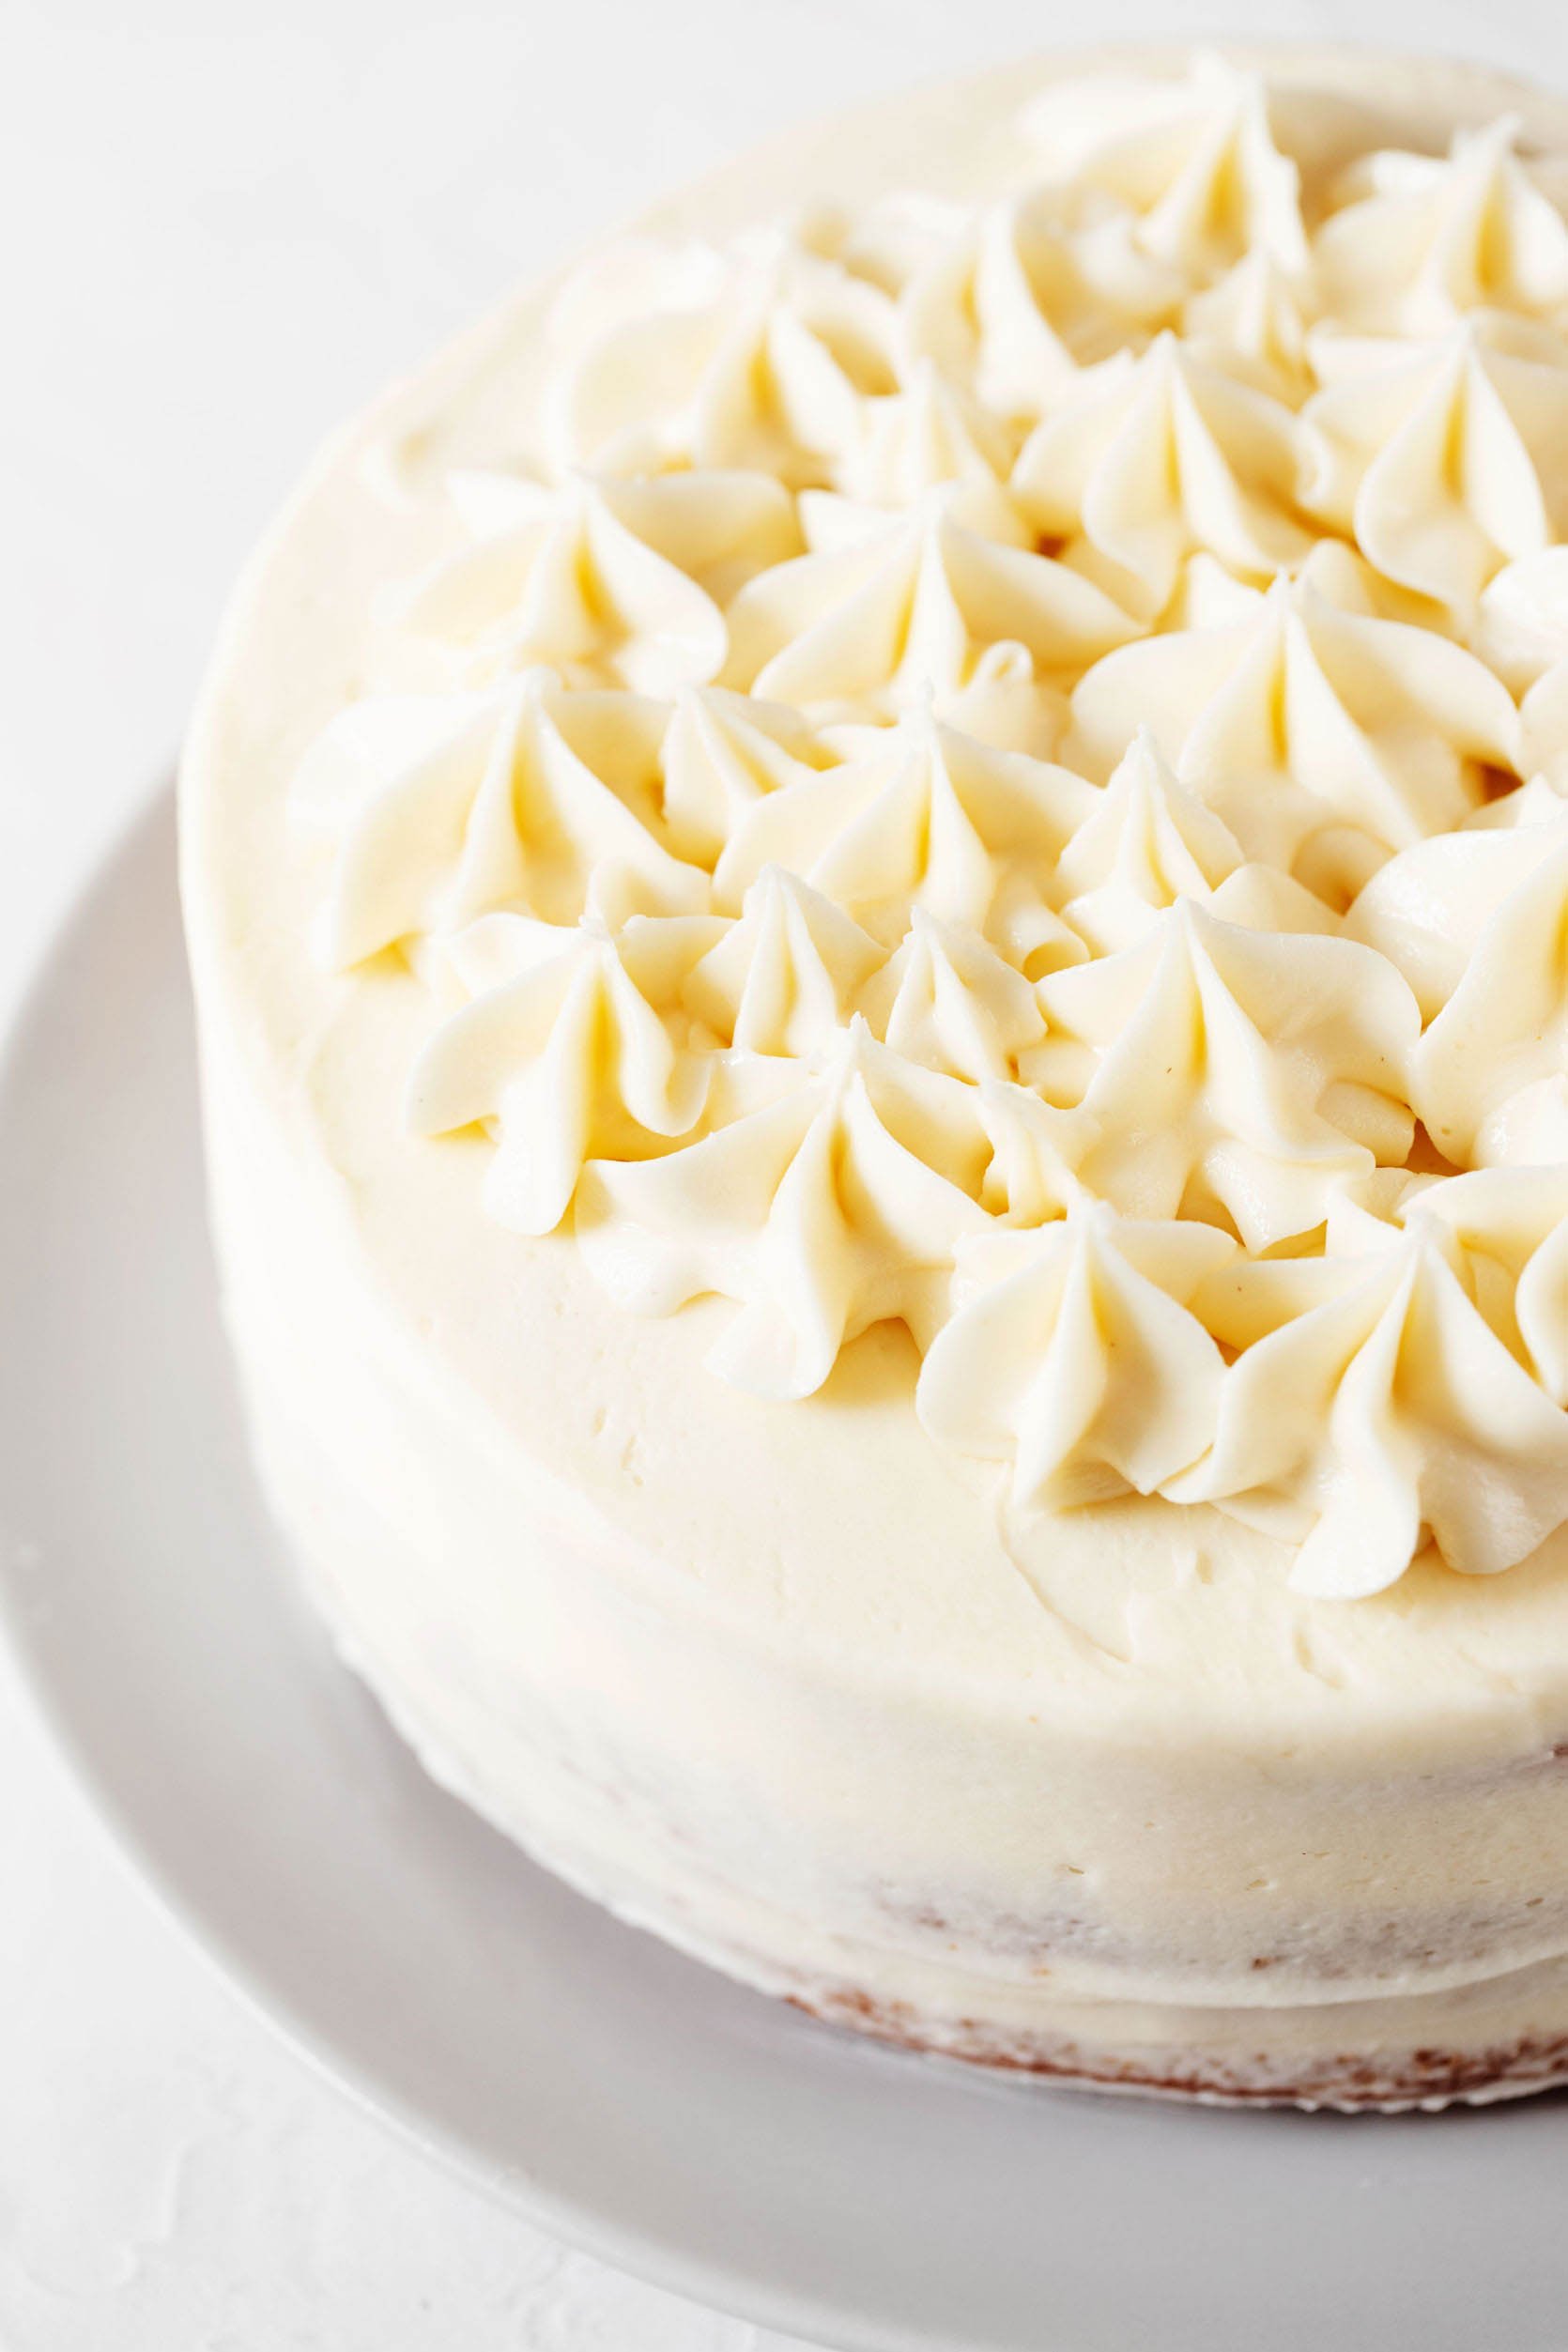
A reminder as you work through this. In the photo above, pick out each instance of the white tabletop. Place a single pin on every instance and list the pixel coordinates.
(223, 229)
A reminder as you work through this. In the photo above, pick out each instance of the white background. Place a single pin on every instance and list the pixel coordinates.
(220, 228)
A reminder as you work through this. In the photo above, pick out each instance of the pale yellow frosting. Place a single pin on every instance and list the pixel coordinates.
(730, 815)
(698, 883)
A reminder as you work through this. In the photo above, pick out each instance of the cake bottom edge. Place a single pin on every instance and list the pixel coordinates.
(1426, 2077)
(1426, 2080)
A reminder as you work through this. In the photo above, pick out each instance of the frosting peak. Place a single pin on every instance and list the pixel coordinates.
(443, 807)
(785, 976)
(1379, 1408)
(1444, 465)
(1421, 242)
(760, 361)
(562, 1047)
(924, 815)
(1325, 739)
(1157, 458)
(1194, 159)
(838, 1203)
(1147, 844)
(891, 607)
(1075, 1357)
(609, 582)
(1235, 1075)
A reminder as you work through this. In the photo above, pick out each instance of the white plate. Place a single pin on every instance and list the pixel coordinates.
(621, 2096)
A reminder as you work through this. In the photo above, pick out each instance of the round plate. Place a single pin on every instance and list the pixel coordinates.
(623, 2097)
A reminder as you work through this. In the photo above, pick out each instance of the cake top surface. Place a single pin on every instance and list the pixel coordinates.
(999, 767)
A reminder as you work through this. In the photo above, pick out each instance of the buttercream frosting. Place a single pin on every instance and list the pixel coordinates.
(1194, 159)
(1444, 463)
(1156, 458)
(1324, 738)
(1381, 1405)
(837, 1201)
(759, 358)
(996, 767)
(1039, 287)
(1418, 242)
(990, 1678)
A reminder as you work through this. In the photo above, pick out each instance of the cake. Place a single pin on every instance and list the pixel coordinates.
(879, 903)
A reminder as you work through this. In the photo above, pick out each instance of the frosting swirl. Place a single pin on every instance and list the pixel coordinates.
(1444, 465)
(1325, 739)
(760, 360)
(562, 1051)
(893, 609)
(1157, 459)
(839, 1202)
(1043, 286)
(609, 582)
(441, 808)
(1239, 1076)
(1372, 1400)
(1195, 160)
(924, 816)
(1076, 1360)
(1419, 242)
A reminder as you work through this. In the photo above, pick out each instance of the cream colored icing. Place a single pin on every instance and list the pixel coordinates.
(827, 1699)
(1324, 738)
(1156, 458)
(1443, 463)
(1194, 159)
(728, 815)
(1417, 242)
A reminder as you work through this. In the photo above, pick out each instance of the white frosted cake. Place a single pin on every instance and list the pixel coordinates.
(879, 898)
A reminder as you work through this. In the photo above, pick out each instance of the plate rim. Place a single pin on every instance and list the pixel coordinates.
(640, 2253)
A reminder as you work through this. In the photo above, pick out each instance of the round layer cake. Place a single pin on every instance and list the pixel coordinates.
(879, 898)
